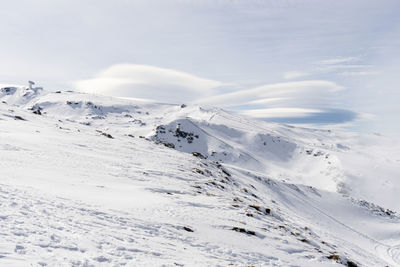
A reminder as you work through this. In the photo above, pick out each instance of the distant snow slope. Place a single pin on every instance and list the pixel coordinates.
(88, 180)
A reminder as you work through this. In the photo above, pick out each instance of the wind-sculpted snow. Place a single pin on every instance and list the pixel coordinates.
(87, 180)
(219, 142)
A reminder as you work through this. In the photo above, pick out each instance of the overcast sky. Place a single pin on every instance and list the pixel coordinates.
(331, 62)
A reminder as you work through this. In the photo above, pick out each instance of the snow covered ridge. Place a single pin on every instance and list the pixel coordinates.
(89, 180)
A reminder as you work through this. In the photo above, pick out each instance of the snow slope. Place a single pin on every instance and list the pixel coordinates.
(88, 180)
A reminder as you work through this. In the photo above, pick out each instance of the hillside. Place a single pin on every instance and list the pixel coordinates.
(89, 180)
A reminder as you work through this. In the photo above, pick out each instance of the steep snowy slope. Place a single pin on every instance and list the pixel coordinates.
(87, 180)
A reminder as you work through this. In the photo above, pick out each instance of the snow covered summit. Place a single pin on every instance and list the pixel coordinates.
(90, 180)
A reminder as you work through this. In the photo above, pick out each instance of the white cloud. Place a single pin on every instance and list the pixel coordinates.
(281, 112)
(340, 60)
(288, 93)
(344, 65)
(290, 75)
(143, 81)
(359, 73)
(313, 101)
(296, 99)
(266, 101)
(341, 67)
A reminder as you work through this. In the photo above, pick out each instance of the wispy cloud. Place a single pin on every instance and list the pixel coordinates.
(359, 73)
(309, 102)
(306, 101)
(339, 67)
(298, 93)
(281, 112)
(143, 81)
(340, 60)
(313, 117)
(290, 75)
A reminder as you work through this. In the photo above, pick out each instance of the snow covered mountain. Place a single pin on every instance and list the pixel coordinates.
(89, 180)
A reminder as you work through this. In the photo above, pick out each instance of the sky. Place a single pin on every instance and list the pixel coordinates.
(332, 63)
